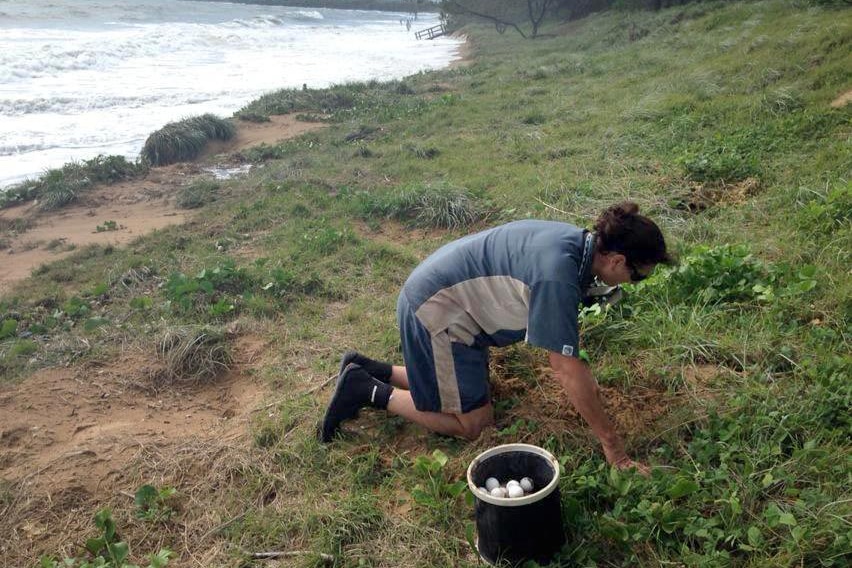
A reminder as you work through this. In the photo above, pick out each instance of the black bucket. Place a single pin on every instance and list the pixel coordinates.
(514, 530)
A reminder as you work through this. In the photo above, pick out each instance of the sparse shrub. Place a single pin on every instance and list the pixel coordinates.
(439, 205)
(191, 355)
(185, 139)
(196, 194)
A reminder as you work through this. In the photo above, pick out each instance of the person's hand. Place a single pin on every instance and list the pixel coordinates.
(617, 457)
(628, 463)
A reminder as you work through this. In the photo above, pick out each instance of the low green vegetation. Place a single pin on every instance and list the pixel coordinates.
(185, 139)
(437, 206)
(106, 551)
(60, 186)
(729, 372)
(107, 226)
(196, 194)
(383, 100)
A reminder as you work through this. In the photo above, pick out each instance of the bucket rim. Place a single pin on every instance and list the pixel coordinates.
(517, 501)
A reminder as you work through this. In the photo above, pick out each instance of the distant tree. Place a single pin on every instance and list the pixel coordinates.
(504, 14)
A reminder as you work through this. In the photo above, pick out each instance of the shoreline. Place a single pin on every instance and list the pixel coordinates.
(138, 206)
(42, 148)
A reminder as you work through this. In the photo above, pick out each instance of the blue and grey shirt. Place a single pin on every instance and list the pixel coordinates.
(522, 280)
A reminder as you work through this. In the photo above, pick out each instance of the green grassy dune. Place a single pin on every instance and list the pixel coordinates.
(730, 370)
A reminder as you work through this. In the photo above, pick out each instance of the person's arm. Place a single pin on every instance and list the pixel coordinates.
(582, 391)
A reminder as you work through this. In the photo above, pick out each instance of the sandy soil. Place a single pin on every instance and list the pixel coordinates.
(137, 207)
(72, 438)
(842, 100)
(80, 427)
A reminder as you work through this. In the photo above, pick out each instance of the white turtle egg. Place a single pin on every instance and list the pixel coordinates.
(482, 489)
(491, 483)
(527, 484)
(512, 482)
(498, 492)
(515, 491)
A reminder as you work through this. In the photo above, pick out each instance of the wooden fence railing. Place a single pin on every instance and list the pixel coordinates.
(431, 33)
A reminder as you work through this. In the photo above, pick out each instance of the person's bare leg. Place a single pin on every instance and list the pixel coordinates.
(399, 377)
(468, 425)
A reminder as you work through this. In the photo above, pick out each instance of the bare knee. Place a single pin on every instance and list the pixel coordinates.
(471, 433)
(474, 423)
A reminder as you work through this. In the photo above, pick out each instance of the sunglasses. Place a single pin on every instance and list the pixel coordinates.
(635, 275)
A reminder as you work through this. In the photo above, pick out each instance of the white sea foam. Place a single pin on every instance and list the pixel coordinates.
(81, 77)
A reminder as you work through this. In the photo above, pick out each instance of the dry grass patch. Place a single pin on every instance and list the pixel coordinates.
(191, 355)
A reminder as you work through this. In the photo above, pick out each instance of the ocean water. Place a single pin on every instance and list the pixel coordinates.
(80, 78)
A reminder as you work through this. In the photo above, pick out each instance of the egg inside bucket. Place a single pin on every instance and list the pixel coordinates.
(528, 527)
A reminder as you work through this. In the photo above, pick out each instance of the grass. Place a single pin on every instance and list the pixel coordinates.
(436, 206)
(61, 186)
(196, 194)
(185, 139)
(191, 355)
(731, 371)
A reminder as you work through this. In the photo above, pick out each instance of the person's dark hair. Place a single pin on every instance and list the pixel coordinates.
(621, 228)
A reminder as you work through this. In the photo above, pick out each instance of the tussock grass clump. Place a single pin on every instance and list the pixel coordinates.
(196, 194)
(437, 206)
(185, 139)
(191, 355)
(61, 186)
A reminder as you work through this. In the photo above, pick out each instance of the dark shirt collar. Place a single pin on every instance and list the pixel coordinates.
(586, 276)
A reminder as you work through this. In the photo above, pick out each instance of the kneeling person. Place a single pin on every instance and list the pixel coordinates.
(523, 281)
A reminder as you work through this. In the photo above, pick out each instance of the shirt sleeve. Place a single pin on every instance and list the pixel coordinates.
(553, 317)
